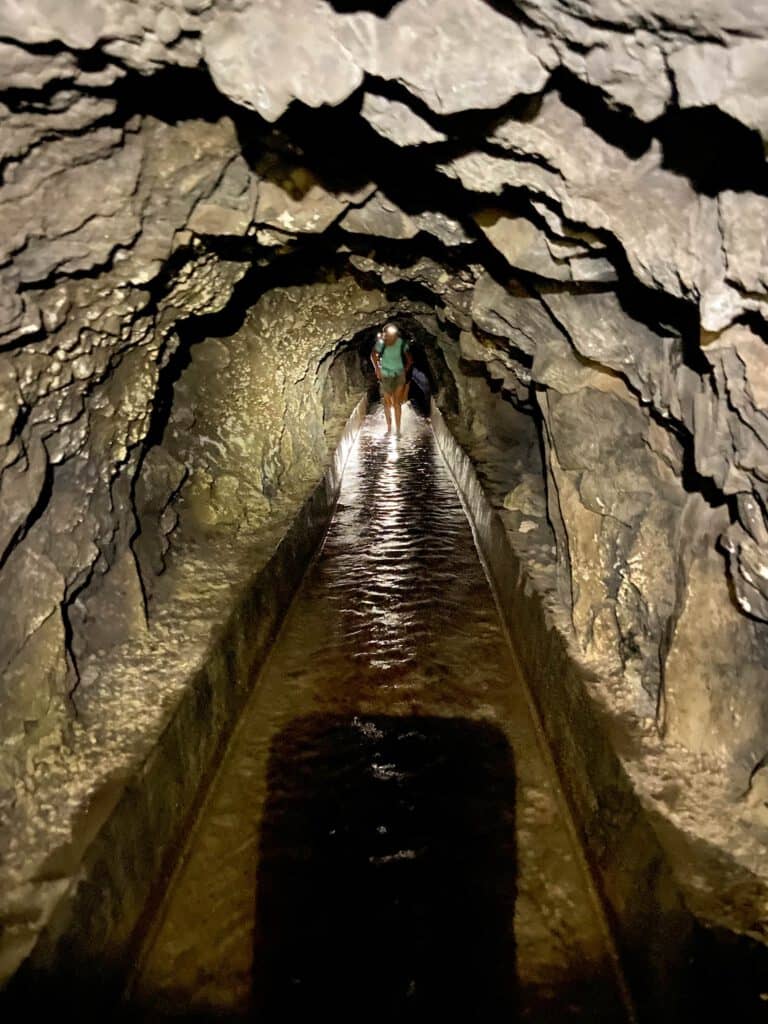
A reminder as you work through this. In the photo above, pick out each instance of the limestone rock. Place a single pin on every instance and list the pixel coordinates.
(254, 439)
(527, 498)
(25, 69)
(380, 216)
(568, 17)
(266, 55)
(454, 289)
(592, 268)
(557, 365)
(78, 25)
(744, 223)
(734, 452)
(32, 653)
(397, 122)
(703, 710)
(631, 69)
(602, 332)
(444, 228)
(229, 209)
(21, 485)
(442, 70)
(160, 480)
(512, 312)
(292, 199)
(526, 247)
(167, 27)
(498, 362)
(319, 57)
(733, 78)
(521, 243)
(616, 544)
(669, 232)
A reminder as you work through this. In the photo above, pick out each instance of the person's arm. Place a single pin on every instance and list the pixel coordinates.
(376, 357)
(407, 360)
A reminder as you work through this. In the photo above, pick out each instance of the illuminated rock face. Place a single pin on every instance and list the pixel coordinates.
(206, 205)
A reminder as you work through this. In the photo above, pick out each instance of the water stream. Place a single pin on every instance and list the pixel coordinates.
(384, 839)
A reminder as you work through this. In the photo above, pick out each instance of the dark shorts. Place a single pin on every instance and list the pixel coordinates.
(391, 384)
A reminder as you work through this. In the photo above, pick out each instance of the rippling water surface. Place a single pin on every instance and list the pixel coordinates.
(384, 840)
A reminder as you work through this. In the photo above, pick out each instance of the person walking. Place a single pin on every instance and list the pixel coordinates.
(392, 359)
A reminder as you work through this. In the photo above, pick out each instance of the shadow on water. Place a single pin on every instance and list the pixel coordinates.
(387, 875)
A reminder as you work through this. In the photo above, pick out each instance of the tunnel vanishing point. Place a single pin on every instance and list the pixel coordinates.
(208, 209)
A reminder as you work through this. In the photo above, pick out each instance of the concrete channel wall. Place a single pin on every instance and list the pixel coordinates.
(653, 931)
(84, 952)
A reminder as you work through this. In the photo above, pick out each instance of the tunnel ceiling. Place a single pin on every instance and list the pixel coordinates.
(570, 196)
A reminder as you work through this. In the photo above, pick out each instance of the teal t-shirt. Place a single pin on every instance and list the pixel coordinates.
(392, 362)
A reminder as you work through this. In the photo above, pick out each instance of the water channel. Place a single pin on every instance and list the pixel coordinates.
(385, 839)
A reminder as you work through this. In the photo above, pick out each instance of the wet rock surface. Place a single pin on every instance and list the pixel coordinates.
(565, 202)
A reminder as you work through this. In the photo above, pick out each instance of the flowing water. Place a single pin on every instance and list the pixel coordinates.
(385, 839)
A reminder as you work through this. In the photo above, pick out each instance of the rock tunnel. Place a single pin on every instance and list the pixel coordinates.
(209, 209)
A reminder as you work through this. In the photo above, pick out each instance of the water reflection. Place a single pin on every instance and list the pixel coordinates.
(388, 559)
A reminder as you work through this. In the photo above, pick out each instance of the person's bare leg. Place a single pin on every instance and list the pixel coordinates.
(401, 396)
(388, 411)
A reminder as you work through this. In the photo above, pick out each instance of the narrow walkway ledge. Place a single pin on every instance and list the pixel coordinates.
(98, 824)
(654, 931)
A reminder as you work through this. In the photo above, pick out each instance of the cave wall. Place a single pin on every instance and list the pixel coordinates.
(247, 428)
(571, 197)
(84, 345)
(249, 412)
